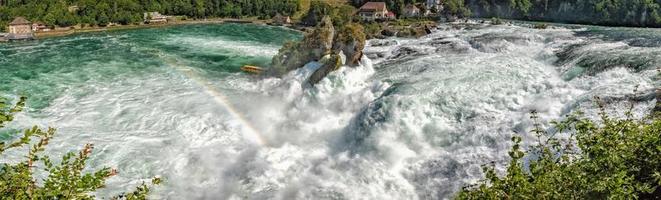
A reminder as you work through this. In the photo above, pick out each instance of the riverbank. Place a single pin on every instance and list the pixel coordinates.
(60, 33)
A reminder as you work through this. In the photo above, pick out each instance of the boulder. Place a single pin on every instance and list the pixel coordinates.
(428, 29)
(388, 32)
(287, 58)
(330, 63)
(404, 33)
(419, 31)
(413, 32)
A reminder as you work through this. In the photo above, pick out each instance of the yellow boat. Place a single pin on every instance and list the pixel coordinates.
(252, 69)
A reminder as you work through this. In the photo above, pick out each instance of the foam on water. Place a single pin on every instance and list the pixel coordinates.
(215, 44)
(416, 120)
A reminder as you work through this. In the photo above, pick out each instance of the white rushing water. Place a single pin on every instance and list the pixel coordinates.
(416, 120)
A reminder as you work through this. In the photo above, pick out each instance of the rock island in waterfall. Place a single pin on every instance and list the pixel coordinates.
(330, 99)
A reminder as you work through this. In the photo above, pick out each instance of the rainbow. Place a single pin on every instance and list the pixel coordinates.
(250, 133)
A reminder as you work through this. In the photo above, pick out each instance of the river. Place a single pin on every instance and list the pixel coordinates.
(416, 120)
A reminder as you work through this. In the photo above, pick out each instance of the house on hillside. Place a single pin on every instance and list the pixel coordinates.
(411, 11)
(155, 18)
(281, 20)
(372, 11)
(20, 29)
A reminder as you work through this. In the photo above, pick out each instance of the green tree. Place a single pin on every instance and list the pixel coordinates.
(521, 5)
(456, 8)
(103, 19)
(65, 180)
(612, 159)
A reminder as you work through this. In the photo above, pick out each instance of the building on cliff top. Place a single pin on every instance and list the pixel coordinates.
(372, 11)
(20, 29)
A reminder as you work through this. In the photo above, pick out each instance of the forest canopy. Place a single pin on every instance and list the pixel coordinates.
(601, 12)
(645, 13)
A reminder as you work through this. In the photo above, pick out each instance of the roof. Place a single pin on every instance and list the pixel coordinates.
(20, 21)
(391, 14)
(378, 6)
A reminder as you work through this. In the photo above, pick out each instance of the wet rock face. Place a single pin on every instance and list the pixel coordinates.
(350, 41)
(320, 40)
(345, 44)
(315, 44)
(330, 63)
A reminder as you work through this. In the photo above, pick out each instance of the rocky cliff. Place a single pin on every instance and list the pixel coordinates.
(340, 47)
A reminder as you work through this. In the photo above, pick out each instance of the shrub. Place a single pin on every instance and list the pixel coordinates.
(373, 29)
(613, 159)
(65, 180)
(496, 21)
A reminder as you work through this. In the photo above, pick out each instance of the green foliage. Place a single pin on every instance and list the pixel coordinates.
(7, 112)
(496, 21)
(613, 159)
(103, 12)
(373, 29)
(318, 9)
(343, 15)
(65, 180)
(521, 5)
(351, 32)
(456, 8)
(340, 14)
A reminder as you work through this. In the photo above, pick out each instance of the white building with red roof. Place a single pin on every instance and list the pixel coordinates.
(372, 11)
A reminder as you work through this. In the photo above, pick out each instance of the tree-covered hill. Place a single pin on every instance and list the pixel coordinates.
(102, 12)
(645, 13)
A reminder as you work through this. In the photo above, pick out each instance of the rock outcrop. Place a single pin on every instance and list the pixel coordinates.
(315, 44)
(330, 63)
(350, 41)
(415, 31)
(337, 48)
